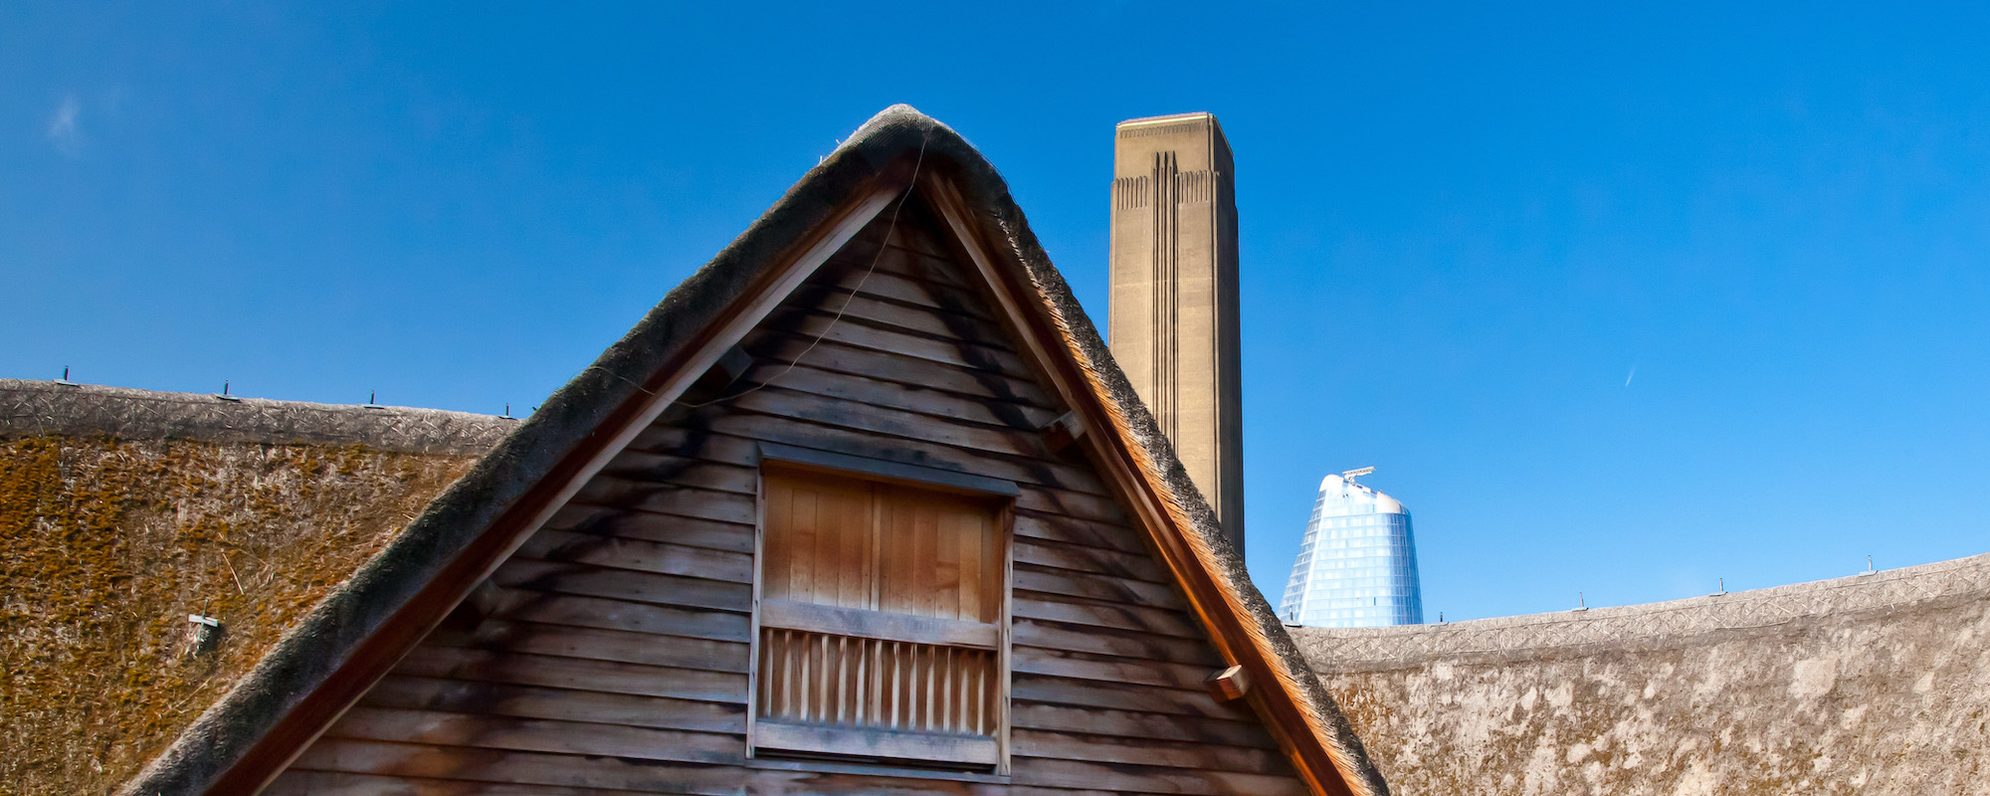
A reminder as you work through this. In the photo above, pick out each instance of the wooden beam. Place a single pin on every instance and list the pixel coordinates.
(875, 743)
(888, 470)
(1060, 433)
(877, 624)
(1228, 685)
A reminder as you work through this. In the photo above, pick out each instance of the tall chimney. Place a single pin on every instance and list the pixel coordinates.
(1173, 324)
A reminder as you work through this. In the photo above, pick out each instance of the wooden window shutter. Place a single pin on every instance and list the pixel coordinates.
(881, 619)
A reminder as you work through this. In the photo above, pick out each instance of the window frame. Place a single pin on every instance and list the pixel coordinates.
(1002, 495)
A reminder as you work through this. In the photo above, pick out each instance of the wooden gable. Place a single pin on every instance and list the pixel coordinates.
(613, 649)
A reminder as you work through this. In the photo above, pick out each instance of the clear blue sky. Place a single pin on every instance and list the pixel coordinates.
(1464, 229)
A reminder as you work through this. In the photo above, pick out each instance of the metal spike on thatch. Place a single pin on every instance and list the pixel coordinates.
(204, 633)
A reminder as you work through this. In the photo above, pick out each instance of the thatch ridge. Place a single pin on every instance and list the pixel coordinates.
(48, 408)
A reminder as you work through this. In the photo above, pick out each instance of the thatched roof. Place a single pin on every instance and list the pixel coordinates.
(386, 601)
(124, 511)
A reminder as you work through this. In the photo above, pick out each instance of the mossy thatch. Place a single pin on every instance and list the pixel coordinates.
(111, 544)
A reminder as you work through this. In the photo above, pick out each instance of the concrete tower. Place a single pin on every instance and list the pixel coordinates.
(1173, 325)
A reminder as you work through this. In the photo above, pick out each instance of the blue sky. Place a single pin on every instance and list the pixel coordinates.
(1619, 300)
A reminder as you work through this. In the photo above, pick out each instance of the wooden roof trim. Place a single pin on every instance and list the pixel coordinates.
(377, 654)
(1298, 725)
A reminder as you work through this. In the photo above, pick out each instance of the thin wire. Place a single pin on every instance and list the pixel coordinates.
(890, 228)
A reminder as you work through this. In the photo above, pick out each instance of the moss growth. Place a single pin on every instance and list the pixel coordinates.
(111, 544)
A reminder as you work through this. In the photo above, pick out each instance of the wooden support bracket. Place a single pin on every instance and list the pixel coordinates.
(1228, 685)
(1060, 433)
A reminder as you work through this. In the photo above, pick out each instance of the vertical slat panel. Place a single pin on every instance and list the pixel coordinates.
(876, 546)
(946, 583)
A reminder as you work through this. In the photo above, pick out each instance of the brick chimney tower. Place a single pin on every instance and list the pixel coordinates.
(1173, 315)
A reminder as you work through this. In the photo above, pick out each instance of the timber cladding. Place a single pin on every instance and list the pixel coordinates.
(615, 650)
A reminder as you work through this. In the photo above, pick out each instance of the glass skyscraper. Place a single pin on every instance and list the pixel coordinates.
(1357, 564)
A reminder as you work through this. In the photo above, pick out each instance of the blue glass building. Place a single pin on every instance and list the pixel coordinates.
(1357, 564)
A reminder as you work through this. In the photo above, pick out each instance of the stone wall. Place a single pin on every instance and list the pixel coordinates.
(1872, 684)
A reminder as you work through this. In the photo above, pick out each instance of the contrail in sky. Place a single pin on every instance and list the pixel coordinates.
(1634, 374)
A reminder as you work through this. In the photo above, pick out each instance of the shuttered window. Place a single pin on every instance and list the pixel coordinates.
(880, 621)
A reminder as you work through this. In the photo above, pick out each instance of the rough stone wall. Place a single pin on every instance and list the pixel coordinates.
(122, 512)
(1873, 684)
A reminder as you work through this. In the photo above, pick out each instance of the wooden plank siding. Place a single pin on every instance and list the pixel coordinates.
(616, 656)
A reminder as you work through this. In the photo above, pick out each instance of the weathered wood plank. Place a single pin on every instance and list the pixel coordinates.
(736, 439)
(832, 386)
(1064, 663)
(907, 315)
(1140, 724)
(1121, 696)
(1075, 773)
(519, 768)
(574, 673)
(568, 577)
(643, 776)
(829, 355)
(874, 743)
(915, 232)
(1098, 749)
(636, 468)
(878, 625)
(536, 735)
(653, 527)
(853, 332)
(1121, 616)
(893, 422)
(901, 260)
(561, 609)
(635, 554)
(1097, 587)
(533, 702)
(782, 429)
(1071, 530)
(683, 501)
(1057, 501)
(926, 273)
(607, 645)
(1101, 641)
(901, 286)
(1090, 559)
(339, 783)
